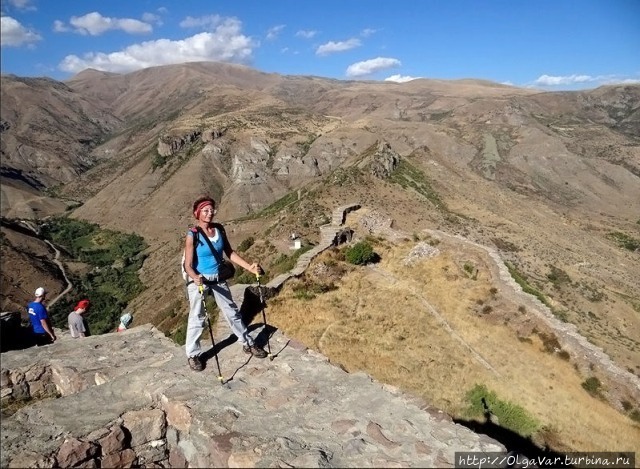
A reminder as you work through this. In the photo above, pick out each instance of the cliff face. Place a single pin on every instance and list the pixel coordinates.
(129, 398)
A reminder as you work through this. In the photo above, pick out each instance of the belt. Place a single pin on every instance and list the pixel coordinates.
(206, 281)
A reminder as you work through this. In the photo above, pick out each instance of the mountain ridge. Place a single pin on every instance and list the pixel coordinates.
(551, 180)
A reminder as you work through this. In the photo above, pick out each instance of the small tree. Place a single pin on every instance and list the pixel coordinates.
(360, 253)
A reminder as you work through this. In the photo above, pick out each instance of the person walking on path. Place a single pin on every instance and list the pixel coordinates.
(39, 317)
(202, 267)
(76, 321)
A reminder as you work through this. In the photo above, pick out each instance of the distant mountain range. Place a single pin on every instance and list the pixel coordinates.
(548, 178)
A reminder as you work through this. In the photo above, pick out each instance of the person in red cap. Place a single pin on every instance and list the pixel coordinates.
(76, 321)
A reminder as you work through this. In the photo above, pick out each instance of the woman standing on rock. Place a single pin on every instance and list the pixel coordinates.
(203, 261)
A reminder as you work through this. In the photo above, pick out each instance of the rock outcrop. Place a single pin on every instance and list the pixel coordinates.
(129, 398)
(168, 145)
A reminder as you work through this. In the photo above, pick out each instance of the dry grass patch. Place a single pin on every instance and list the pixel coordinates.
(418, 327)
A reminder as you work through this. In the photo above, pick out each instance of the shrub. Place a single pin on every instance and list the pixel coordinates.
(158, 161)
(593, 386)
(625, 241)
(558, 276)
(510, 415)
(244, 277)
(284, 263)
(180, 335)
(360, 253)
(469, 268)
(550, 342)
(246, 244)
(526, 287)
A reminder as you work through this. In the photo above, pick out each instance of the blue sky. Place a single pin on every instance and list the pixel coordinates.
(548, 44)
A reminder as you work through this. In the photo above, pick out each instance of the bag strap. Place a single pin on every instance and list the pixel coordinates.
(208, 241)
(195, 232)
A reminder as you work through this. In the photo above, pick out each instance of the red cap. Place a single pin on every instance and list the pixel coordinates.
(82, 304)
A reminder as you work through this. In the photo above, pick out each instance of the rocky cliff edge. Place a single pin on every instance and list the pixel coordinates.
(129, 399)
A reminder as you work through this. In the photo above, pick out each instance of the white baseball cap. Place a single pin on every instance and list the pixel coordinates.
(40, 291)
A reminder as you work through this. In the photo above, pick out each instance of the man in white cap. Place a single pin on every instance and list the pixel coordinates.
(42, 329)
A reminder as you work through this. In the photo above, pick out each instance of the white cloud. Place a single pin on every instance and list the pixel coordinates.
(306, 34)
(368, 67)
(203, 22)
(628, 81)
(225, 44)
(569, 80)
(95, 24)
(548, 80)
(12, 33)
(332, 47)
(60, 27)
(274, 32)
(368, 32)
(152, 18)
(401, 78)
(22, 4)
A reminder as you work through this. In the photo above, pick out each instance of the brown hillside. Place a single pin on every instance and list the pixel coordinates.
(550, 180)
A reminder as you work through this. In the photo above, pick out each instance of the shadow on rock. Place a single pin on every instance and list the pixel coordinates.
(14, 335)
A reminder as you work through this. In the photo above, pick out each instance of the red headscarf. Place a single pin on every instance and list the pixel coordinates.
(202, 205)
(82, 304)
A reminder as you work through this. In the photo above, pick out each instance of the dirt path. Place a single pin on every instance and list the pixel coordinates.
(56, 260)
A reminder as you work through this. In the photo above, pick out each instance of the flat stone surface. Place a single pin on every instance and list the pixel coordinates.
(297, 409)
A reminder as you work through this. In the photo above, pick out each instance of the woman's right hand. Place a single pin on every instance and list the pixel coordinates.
(199, 280)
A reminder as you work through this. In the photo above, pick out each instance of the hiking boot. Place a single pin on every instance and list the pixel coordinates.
(195, 363)
(255, 351)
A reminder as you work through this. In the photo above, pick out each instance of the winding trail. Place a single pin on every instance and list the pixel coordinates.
(56, 259)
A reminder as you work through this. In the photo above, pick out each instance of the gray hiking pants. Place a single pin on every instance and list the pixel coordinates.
(197, 318)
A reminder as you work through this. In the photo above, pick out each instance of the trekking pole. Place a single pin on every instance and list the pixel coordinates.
(264, 316)
(213, 342)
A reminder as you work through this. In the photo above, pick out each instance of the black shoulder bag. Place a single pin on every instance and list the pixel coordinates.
(226, 270)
